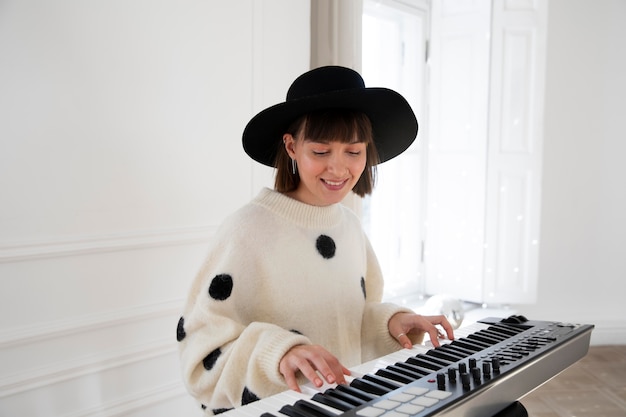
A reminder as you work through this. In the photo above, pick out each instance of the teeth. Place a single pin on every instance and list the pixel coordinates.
(333, 182)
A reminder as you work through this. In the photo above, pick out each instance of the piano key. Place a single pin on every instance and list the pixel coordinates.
(307, 398)
(447, 355)
(356, 392)
(404, 371)
(414, 368)
(369, 387)
(485, 337)
(344, 396)
(458, 350)
(308, 409)
(332, 401)
(383, 381)
(505, 329)
(292, 411)
(395, 376)
(468, 344)
(496, 335)
(424, 363)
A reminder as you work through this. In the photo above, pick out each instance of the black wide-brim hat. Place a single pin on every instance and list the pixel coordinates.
(333, 87)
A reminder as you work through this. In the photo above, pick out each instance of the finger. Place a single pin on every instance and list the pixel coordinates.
(331, 369)
(404, 340)
(309, 372)
(448, 328)
(292, 383)
(434, 336)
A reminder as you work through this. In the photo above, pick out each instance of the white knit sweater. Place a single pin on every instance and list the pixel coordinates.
(280, 273)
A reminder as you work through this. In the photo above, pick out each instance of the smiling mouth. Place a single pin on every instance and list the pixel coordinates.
(334, 184)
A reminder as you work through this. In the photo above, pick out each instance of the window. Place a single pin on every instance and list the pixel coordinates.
(393, 56)
(458, 213)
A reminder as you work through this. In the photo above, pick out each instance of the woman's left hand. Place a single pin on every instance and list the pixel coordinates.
(402, 324)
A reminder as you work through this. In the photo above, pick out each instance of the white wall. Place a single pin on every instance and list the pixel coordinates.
(582, 274)
(120, 152)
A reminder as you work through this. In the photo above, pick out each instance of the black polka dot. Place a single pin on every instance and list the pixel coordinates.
(217, 411)
(180, 330)
(211, 358)
(221, 287)
(363, 287)
(203, 406)
(248, 397)
(326, 246)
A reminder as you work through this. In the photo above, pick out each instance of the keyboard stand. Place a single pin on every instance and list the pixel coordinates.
(514, 410)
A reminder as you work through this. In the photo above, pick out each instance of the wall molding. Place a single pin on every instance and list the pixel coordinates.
(60, 371)
(63, 371)
(127, 405)
(72, 246)
(51, 330)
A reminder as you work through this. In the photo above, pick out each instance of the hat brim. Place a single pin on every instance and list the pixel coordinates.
(393, 121)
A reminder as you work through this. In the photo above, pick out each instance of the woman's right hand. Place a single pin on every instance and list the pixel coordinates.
(312, 361)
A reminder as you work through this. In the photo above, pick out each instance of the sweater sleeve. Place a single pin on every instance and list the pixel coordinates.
(376, 340)
(226, 361)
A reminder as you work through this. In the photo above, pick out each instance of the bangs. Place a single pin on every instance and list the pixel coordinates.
(344, 126)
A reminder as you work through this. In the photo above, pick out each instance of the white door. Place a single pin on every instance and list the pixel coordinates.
(393, 56)
(457, 157)
(488, 62)
(515, 150)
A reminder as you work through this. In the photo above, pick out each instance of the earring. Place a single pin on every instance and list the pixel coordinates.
(293, 166)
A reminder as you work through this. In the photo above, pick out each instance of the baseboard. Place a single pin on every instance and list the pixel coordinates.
(609, 332)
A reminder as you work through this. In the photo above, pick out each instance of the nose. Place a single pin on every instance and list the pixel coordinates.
(337, 164)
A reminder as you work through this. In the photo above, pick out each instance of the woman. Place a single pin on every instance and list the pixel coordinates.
(291, 290)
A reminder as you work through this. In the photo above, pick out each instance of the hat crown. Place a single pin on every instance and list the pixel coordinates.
(323, 81)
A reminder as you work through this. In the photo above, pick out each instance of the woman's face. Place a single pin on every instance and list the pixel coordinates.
(328, 171)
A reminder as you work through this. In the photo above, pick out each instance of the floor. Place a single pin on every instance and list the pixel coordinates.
(595, 386)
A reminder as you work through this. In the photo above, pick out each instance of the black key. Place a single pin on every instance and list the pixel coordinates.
(414, 368)
(266, 414)
(404, 371)
(469, 344)
(332, 402)
(370, 387)
(312, 410)
(291, 411)
(439, 361)
(345, 397)
(424, 363)
(365, 396)
(458, 350)
(499, 336)
(484, 337)
(440, 353)
(479, 341)
(387, 373)
(505, 329)
(382, 381)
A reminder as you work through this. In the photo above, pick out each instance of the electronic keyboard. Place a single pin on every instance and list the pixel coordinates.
(489, 365)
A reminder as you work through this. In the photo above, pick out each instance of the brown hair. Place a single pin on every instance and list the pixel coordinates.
(326, 126)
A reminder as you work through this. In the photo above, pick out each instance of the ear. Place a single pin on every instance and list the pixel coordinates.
(290, 143)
